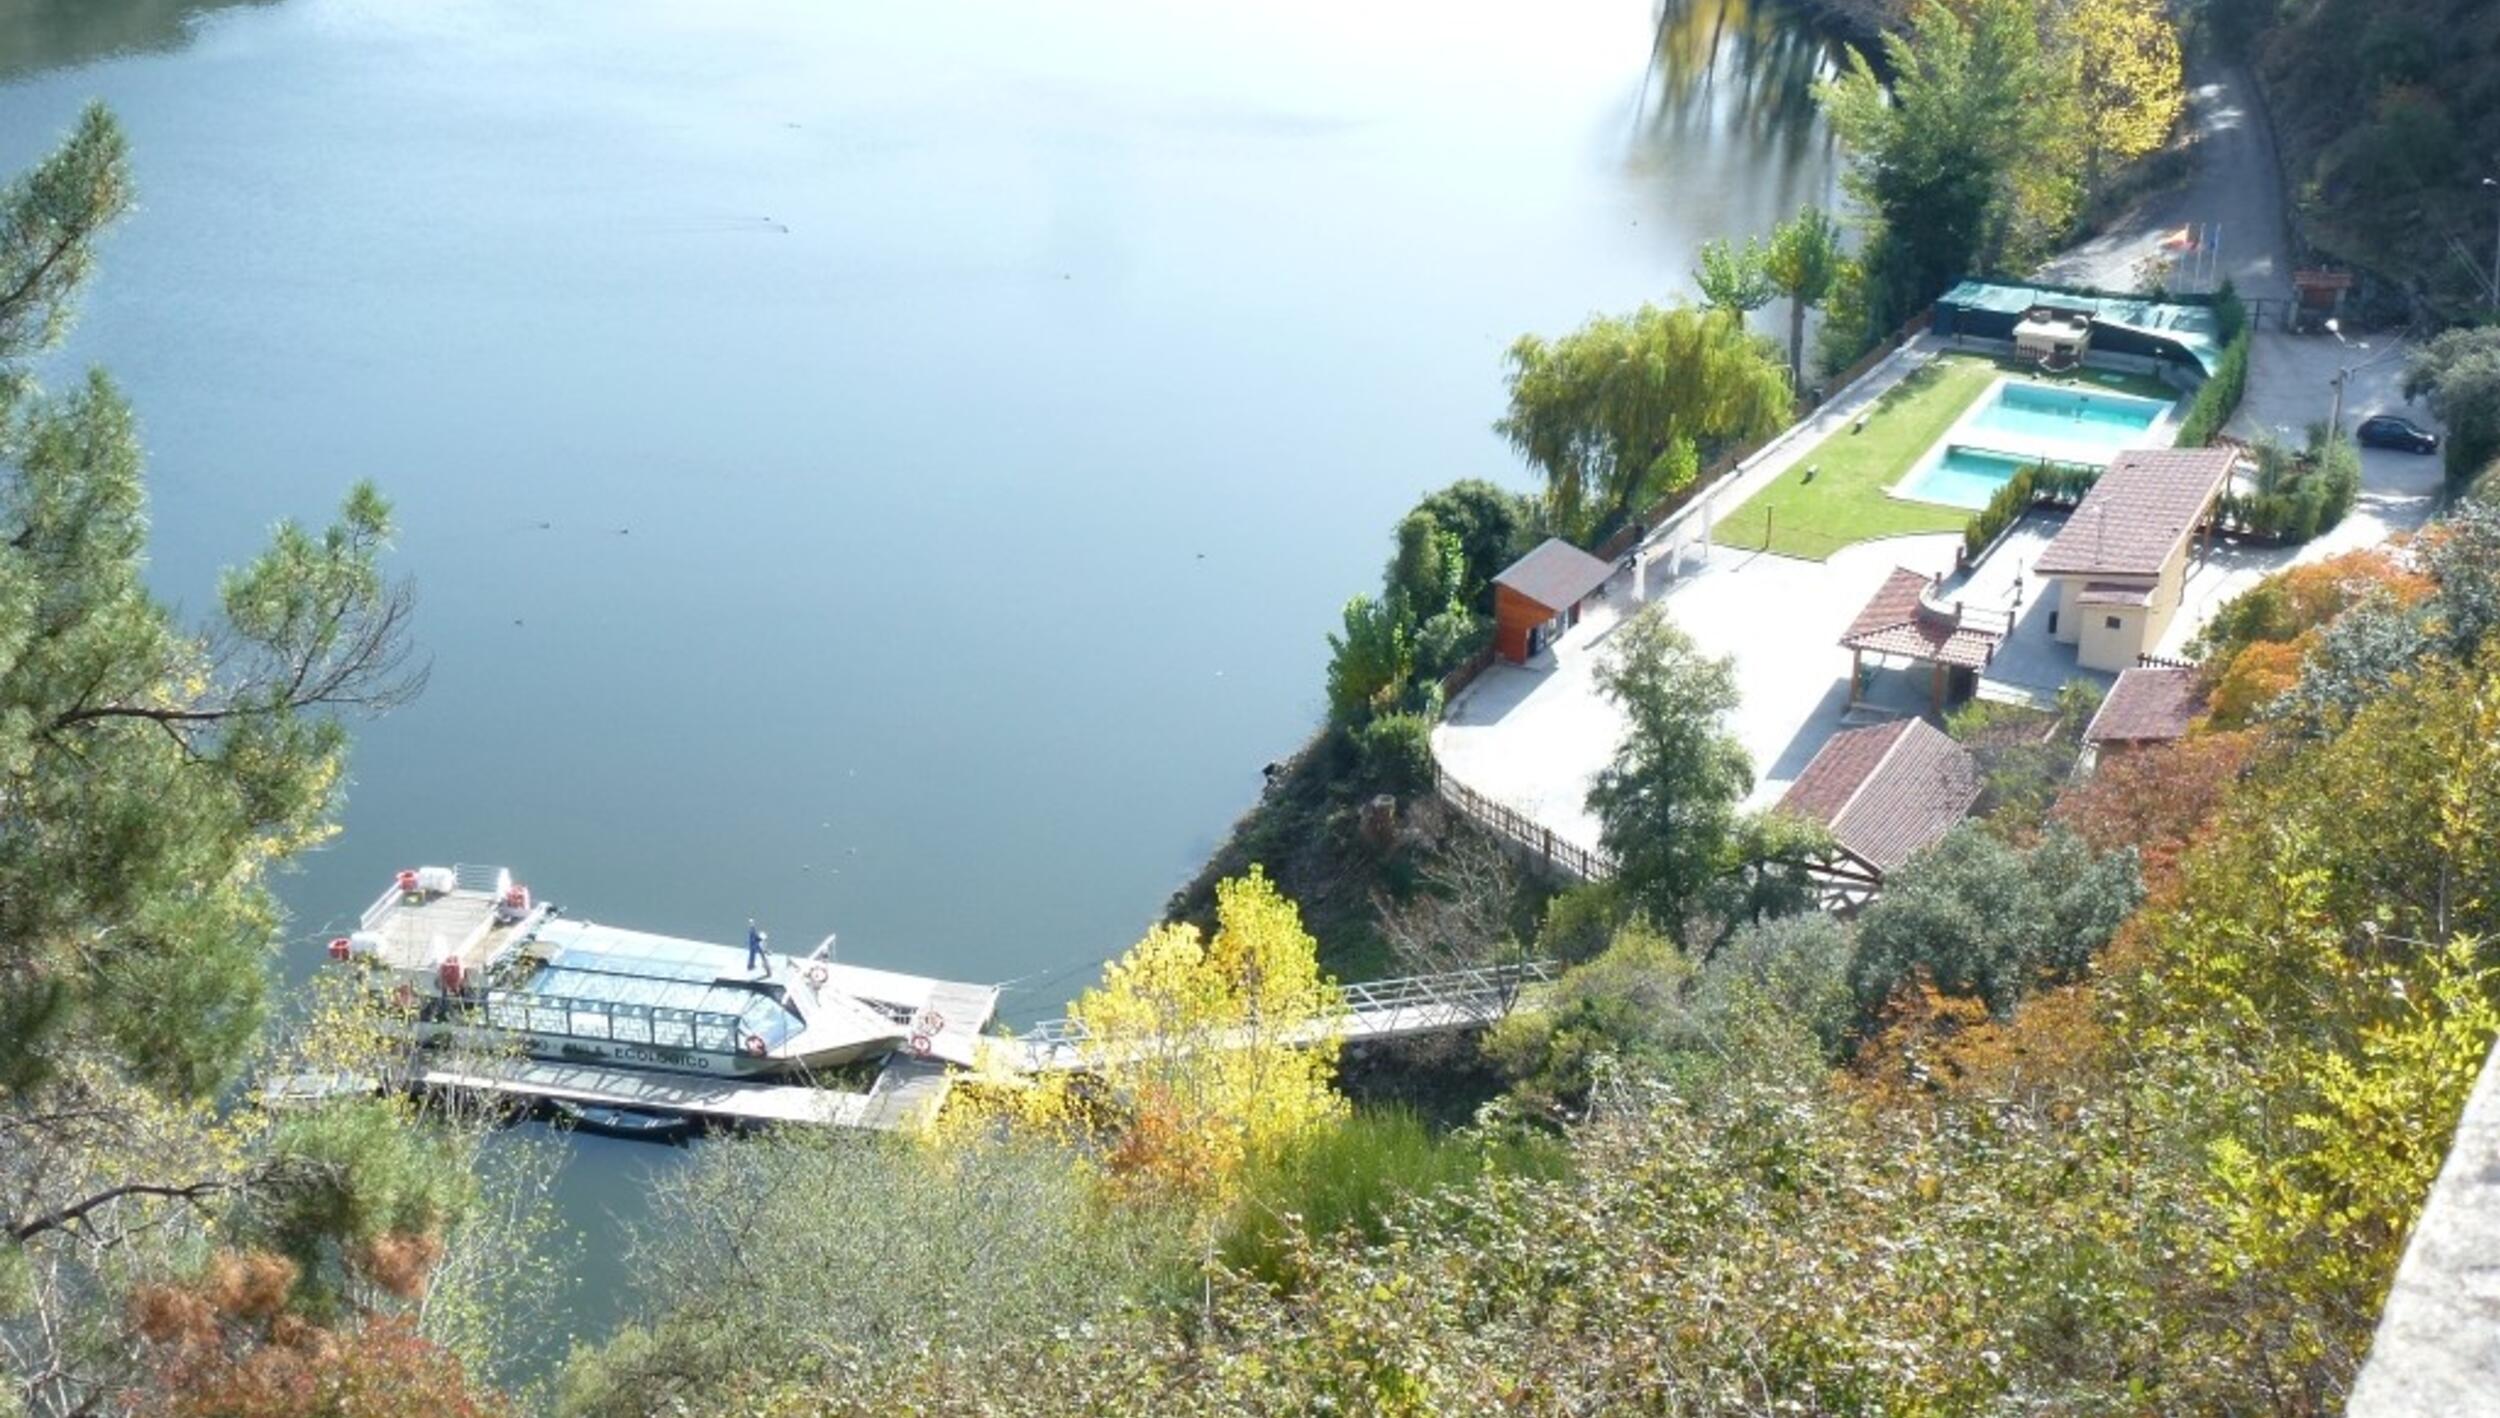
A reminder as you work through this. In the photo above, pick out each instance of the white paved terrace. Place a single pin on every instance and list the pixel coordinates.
(1534, 736)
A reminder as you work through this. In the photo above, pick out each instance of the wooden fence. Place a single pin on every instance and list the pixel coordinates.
(1466, 672)
(1527, 835)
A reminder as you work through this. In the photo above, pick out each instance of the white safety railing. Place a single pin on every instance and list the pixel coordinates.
(1374, 1009)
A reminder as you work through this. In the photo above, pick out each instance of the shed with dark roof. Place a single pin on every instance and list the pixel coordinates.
(2147, 705)
(1886, 791)
(1538, 597)
(2121, 560)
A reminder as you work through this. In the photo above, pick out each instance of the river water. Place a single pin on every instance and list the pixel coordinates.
(876, 468)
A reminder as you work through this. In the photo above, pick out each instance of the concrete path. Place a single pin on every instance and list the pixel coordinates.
(2235, 187)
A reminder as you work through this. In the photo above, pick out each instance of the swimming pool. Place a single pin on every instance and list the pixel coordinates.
(2017, 424)
(2093, 416)
(1963, 477)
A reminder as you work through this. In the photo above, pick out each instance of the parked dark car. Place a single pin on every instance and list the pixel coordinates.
(2389, 431)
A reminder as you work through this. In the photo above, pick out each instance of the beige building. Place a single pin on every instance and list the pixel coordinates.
(2121, 561)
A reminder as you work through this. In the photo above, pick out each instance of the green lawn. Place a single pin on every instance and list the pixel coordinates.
(1845, 501)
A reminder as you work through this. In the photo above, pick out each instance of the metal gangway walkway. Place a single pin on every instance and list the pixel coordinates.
(1404, 1007)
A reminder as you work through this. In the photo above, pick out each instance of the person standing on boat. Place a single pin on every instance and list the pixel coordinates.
(755, 948)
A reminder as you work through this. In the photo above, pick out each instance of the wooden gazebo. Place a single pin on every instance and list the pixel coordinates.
(1903, 621)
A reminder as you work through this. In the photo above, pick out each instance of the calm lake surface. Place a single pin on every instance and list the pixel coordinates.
(876, 468)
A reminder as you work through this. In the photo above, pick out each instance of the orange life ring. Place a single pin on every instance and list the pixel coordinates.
(920, 1044)
(755, 1045)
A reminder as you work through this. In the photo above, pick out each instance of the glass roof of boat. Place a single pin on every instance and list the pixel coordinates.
(619, 967)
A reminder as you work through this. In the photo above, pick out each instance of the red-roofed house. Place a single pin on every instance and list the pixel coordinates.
(1537, 597)
(2121, 560)
(1885, 791)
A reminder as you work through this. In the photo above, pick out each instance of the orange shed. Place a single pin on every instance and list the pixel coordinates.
(1538, 597)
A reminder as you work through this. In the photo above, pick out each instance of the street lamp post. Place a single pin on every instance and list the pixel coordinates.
(2335, 419)
(2493, 184)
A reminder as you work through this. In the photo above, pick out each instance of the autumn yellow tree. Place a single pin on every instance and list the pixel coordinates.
(1200, 1054)
(2123, 56)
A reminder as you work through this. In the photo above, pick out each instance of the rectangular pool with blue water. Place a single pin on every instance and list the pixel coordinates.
(2094, 416)
(2017, 424)
(1963, 477)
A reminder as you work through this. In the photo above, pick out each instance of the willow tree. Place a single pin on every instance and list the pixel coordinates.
(1621, 411)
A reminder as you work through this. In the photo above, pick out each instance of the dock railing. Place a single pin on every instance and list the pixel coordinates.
(1374, 1009)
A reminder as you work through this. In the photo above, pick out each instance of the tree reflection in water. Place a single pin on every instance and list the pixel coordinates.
(1728, 124)
(36, 35)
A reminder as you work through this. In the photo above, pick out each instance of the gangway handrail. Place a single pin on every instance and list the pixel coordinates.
(1475, 994)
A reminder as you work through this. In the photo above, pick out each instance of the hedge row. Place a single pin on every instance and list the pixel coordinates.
(2063, 484)
(2219, 398)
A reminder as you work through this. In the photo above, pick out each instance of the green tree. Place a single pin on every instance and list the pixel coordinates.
(1978, 918)
(1491, 524)
(49, 222)
(1429, 572)
(1370, 663)
(152, 775)
(1732, 278)
(1666, 802)
(2458, 375)
(1803, 262)
(1768, 873)
(1619, 412)
(1935, 153)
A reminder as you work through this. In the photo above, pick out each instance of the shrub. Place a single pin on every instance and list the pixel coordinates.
(1981, 919)
(1396, 753)
(2219, 397)
(1623, 1011)
(1580, 921)
(1447, 641)
(2230, 314)
(1798, 964)
(1347, 1180)
(2011, 502)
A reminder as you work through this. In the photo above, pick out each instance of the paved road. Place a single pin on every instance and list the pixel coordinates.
(2236, 187)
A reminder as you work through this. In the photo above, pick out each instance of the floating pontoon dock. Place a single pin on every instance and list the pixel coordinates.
(605, 1017)
(509, 997)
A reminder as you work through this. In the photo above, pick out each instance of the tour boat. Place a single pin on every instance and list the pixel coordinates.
(478, 961)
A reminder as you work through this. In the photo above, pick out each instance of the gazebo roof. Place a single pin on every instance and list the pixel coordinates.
(1557, 575)
(1898, 621)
